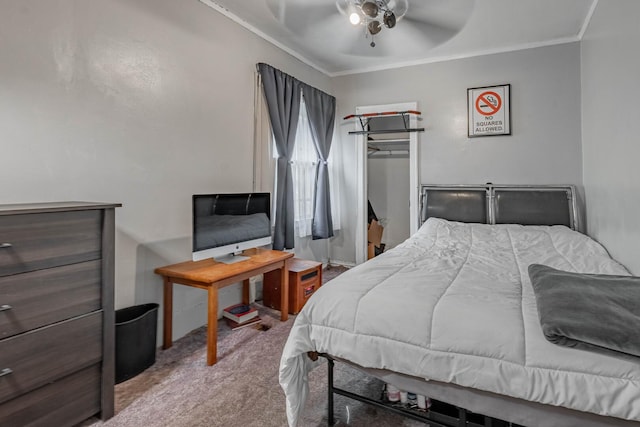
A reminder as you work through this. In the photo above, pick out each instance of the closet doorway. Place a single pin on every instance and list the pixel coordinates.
(388, 174)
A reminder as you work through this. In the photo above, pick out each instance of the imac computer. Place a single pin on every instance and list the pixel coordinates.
(224, 225)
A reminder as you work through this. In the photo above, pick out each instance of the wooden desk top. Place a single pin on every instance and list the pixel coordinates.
(203, 271)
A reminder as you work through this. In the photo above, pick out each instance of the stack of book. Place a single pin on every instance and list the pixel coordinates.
(240, 315)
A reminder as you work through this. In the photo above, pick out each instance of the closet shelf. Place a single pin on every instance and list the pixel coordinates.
(387, 140)
(387, 145)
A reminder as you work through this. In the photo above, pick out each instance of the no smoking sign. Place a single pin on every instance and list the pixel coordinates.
(489, 111)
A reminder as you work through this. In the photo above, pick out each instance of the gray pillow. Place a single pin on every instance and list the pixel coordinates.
(588, 311)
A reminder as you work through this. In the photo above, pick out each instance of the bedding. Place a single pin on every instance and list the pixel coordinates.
(454, 304)
(589, 311)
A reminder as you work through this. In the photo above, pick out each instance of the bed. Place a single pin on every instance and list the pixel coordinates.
(463, 282)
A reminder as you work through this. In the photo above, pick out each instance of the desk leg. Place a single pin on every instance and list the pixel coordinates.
(168, 314)
(284, 291)
(246, 293)
(212, 326)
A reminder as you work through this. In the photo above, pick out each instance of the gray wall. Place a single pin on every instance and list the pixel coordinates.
(611, 112)
(143, 102)
(545, 145)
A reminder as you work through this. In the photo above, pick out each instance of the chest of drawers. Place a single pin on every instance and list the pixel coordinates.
(56, 313)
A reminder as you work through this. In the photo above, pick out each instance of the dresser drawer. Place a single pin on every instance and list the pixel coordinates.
(31, 300)
(66, 402)
(44, 355)
(42, 240)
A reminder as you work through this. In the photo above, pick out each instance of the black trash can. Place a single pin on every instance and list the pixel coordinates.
(136, 331)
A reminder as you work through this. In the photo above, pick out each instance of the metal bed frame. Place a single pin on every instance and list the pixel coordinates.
(433, 417)
(458, 406)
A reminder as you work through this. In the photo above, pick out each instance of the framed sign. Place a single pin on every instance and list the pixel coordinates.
(489, 110)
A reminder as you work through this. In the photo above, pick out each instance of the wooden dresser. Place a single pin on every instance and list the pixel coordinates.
(56, 313)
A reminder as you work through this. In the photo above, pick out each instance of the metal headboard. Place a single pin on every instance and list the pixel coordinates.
(501, 204)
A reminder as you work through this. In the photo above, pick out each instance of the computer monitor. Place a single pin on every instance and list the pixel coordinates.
(226, 224)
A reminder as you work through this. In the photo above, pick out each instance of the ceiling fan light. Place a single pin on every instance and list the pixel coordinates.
(373, 14)
(374, 27)
(370, 9)
(389, 19)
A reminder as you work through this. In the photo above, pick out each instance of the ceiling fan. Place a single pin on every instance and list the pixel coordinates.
(391, 26)
(373, 14)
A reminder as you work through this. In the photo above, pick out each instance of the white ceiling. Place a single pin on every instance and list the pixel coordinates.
(316, 32)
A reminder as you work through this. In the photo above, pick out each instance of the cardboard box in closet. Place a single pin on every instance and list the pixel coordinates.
(374, 238)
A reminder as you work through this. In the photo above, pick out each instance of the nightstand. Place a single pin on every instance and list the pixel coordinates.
(305, 277)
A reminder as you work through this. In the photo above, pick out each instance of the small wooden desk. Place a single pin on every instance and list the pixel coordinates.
(211, 276)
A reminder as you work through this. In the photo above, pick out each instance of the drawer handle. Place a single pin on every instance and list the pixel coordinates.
(5, 307)
(5, 372)
(5, 245)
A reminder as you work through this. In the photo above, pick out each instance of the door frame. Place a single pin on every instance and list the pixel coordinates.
(361, 171)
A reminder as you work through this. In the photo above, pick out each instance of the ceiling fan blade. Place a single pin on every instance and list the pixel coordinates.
(331, 29)
(298, 15)
(428, 32)
(430, 23)
(449, 14)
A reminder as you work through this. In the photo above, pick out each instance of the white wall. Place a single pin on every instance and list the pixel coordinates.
(610, 116)
(545, 145)
(143, 102)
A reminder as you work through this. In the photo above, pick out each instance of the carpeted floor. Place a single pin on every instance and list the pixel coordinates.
(242, 389)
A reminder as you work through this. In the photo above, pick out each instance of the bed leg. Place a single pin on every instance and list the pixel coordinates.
(330, 416)
(462, 417)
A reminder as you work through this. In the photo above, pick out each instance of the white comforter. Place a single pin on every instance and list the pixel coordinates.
(454, 303)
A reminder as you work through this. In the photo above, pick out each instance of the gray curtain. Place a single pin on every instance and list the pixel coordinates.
(282, 93)
(321, 110)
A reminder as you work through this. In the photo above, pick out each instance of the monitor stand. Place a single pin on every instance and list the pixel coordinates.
(232, 258)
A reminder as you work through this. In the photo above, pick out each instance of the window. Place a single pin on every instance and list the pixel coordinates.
(303, 168)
